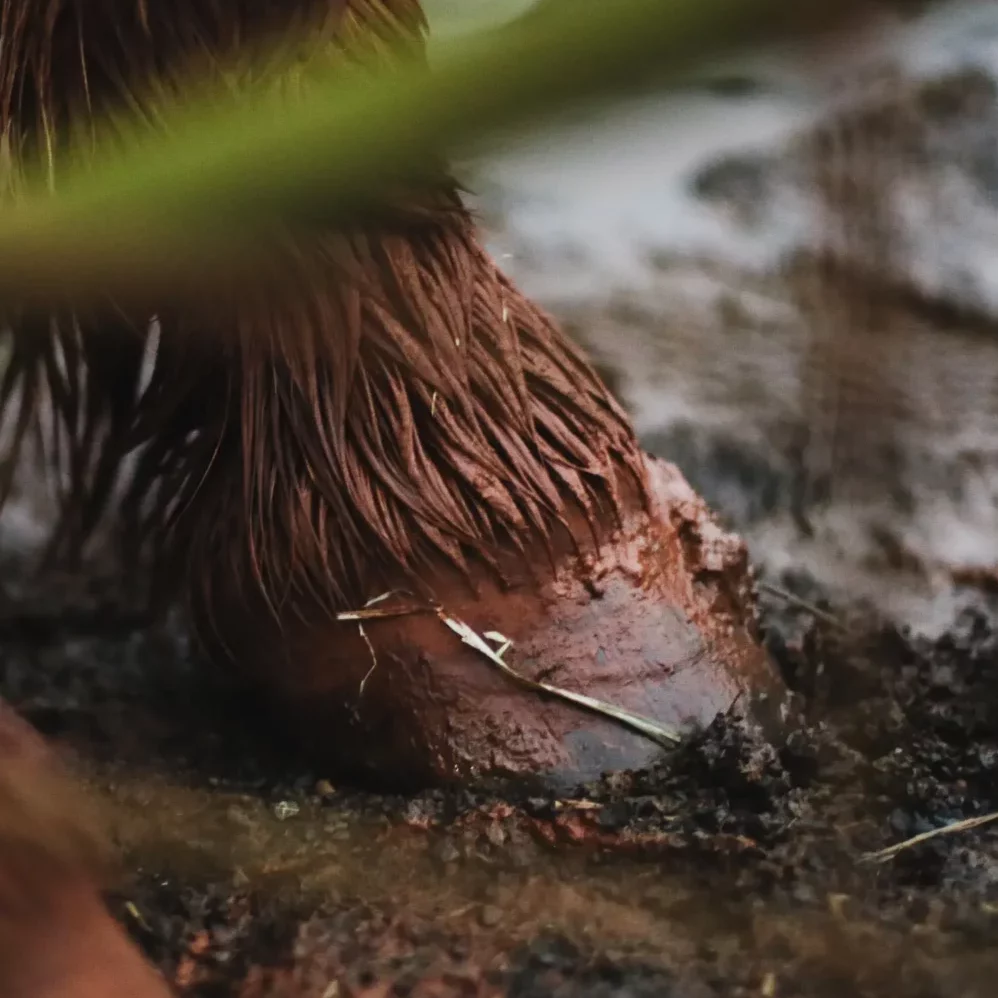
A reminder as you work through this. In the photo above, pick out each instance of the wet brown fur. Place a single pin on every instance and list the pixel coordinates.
(395, 404)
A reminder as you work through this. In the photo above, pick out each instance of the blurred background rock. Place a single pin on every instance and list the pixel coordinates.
(787, 270)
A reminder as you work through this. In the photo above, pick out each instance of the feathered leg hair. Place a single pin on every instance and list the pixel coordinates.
(391, 404)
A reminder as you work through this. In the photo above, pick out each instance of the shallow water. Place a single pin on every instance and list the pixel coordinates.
(324, 853)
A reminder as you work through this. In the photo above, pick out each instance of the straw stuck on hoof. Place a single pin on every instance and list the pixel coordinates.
(597, 662)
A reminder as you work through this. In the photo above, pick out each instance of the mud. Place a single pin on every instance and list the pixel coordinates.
(728, 867)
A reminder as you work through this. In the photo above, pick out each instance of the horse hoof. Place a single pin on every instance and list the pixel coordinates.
(656, 620)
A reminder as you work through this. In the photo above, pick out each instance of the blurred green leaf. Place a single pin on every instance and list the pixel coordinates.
(163, 212)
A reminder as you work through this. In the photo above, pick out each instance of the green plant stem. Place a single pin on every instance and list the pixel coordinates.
(162, 212)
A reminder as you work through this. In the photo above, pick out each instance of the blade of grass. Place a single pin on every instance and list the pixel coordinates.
(883, 855)
(168, 208)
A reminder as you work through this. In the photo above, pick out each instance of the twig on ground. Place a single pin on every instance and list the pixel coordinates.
(803, 604)
(882, 855)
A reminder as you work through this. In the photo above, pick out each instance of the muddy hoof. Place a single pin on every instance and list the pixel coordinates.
(56, 938)
(657, 620)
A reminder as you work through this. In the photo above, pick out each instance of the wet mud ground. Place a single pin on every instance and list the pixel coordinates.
(731, 868)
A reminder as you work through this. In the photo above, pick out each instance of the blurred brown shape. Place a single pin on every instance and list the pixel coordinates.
(57, 939)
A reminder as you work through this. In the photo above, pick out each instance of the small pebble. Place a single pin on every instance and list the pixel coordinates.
(490, 916)
(285, 809)
(496, 835)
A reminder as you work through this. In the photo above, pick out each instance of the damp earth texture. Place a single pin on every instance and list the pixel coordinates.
(729, 867)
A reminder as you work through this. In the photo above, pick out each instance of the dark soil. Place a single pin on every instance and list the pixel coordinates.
(732, 867)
